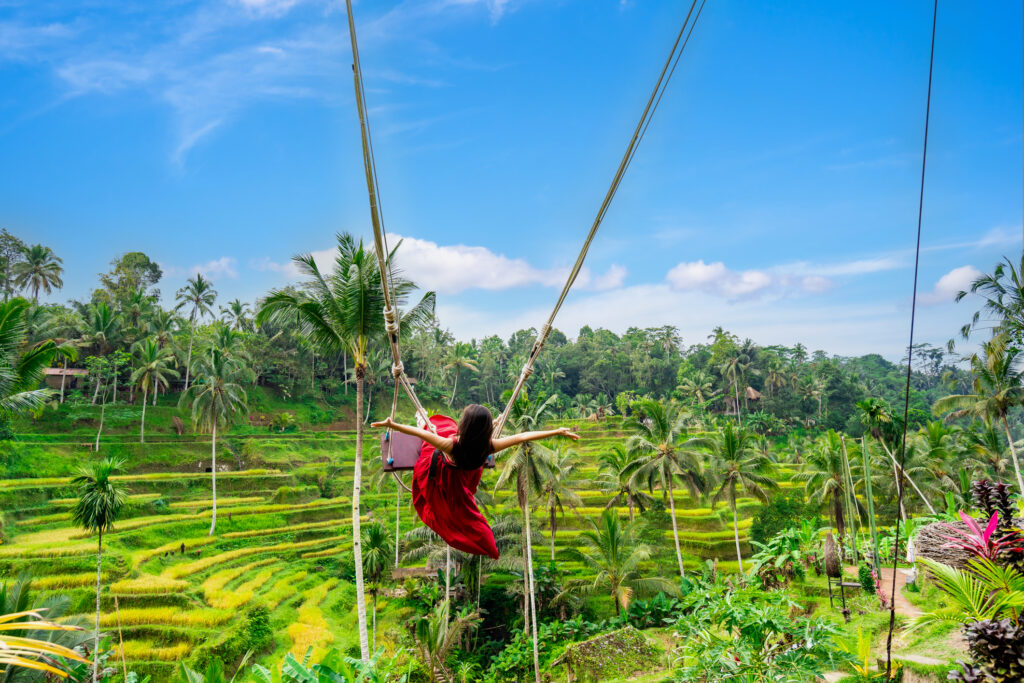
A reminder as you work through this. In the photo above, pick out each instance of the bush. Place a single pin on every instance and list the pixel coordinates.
(781, 512)
(867, 581)
(259, 634)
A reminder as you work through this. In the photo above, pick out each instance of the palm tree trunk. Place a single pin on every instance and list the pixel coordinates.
(188, 360)
(114, 401)
(455, 387)
(675, 527)
(736, 534)
(533, 599)
(447, 572)
(374, 629)
(156, 392)
(398, 518)
(357, 546)
(1013, 454)
(63, 378)
(96, 630)
(142, 426)
(213, 476)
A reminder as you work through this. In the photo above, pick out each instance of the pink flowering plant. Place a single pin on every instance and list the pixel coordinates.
(982, 543)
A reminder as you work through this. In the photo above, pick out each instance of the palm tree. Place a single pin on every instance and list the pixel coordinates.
(1003, 293)
(824, 475)
(217, 398)
(611, 551)
(343, 311)
(22, 369)
(700, 387)
(556, 490)
(616, 478)
(525, 466)
(100, 502)
(460, 357)
(997, 387)
(198, 293)
(35, 651)
(103, 328)
(236, 315)
(151, 372)
(376, 559)
(883, 425)
(437, 635)
(738, 463)
(983, 445)
(40, 269)
(665, 452)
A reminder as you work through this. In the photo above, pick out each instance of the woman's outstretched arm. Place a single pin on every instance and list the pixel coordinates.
(501, 443)
(439, 442)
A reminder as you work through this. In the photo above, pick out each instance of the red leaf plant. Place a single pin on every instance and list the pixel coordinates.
(980, 542)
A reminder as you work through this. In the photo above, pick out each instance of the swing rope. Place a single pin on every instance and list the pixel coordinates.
(641, 128)
(910, 353)
(392, 317)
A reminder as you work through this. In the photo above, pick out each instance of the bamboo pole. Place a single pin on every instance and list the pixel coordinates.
(871, 502)
(851, 500)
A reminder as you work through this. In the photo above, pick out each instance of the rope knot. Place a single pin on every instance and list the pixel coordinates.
(397, 369)
(527, 371)
(391, 320)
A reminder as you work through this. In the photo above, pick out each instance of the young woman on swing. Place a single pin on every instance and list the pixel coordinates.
(447, 473)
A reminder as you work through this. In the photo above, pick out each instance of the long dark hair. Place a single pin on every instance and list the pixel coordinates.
(473, 444)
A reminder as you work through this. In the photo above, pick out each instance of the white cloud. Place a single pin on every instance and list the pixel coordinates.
(716, 279)
(224, 266)
(102, 76)
(950, 284)
(855, 267)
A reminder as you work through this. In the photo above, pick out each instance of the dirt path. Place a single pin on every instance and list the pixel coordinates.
(903, 606)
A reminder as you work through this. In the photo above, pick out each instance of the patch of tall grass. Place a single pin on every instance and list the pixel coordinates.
(311, 629)
(171, 616)
(145, 650)
(148, 584)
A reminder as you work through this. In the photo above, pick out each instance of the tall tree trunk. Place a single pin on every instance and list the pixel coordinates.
(213, 476)
(920, 495)
(188, 360)
(398, 518)
(63, 378)
(103, 410)
(736, 534)
(1013, 454)
(455, 388)
(96, 393)
(142, 426)
(373, 596)
(554, 523)
(156, 392)
(344, 361)
(357, 546)
(114, 401)
(96, 630)
(533, 599)
(675, 527)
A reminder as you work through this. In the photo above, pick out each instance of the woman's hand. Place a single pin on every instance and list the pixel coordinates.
(386, 423)
(564, 431)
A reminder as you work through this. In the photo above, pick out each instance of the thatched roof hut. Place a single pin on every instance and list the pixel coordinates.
(930, 539)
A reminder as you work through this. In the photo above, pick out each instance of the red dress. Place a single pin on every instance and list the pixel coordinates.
(443, 496)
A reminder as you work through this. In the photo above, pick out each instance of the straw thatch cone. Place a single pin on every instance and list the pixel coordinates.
(832, 566)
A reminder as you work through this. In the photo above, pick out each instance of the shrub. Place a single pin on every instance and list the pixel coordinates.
(997, 648)
(781, 512)
(259, 634)
(866, 578)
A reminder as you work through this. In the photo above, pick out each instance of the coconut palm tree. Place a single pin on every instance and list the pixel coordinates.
(104, 328)
(699, 386)
(21, 369)
(737, 463)
(100, 502)
(35, 651)
(983, 445)
(437, 634)
(39, 269)
(236, 315)
(663, 453)
(152, 370)
(216, 399)
(616, 479)
(556, 491)
(460, 357)
(884, 427)
(611, 551)
(525, 468)
(823, 473)
(198, 294)
(997, 387)
(1003, 294)
(376, 561)
(342, 311)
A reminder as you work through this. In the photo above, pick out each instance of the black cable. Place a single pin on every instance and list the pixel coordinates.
(910, 355)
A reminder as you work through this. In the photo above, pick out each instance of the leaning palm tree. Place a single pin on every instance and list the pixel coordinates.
(611, 551)
(152, 370)
(216, 399)
(199, 294)
(343, 311)
(460, 357)
(39, 269)
(556, 491)
(100, 502)
(738, 463)
(525, 468)
(616, 479)
(885, 427)
(997, 387)
(376, 560)
(665, 453)
(236, 315)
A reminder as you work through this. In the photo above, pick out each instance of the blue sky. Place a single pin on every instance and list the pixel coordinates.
(775, 192)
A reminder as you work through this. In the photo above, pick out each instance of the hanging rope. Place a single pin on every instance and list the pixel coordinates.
(910, 352)
(641, 128)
